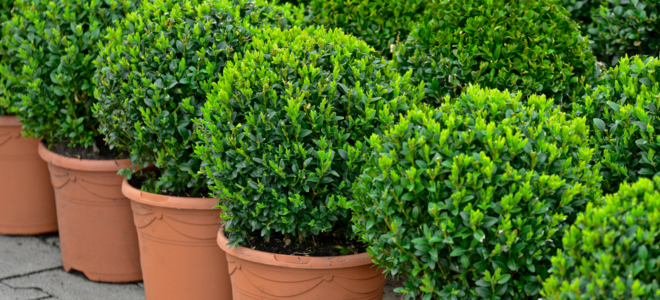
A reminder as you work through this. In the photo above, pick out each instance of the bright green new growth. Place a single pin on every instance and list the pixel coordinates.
(531, 46)
(380, 23)
(468, 201)
(156, 68)
(619, 28)
(52, 44)
(622, 109)
(612, 251)
(283, 131)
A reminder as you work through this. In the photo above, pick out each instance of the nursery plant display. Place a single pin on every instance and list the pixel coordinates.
(468, 201)
(622, 111)
(619, 28)
(380, 23)
(27, 204)
(155, 69)
(612, 251)
(527, 46)
(283, 133)
(53, 44)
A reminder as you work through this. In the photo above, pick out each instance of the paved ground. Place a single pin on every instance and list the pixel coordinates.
(31, 269)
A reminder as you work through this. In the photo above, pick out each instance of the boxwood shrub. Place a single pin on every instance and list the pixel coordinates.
(53, 44)
(622, 109)
(155, 70)
(469, 200)
(528, 46)
(617, 28)
(612, 251)
(284, 130)
(7, 97)
(380, 23)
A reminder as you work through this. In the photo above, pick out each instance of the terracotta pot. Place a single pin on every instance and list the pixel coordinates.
(97, 235)
(27, 204)
(180, 259)
(262, 275)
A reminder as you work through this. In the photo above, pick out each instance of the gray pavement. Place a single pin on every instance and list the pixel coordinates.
(31, 269)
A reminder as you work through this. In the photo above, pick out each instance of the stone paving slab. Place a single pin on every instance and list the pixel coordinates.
(21, 255)
(9, 293)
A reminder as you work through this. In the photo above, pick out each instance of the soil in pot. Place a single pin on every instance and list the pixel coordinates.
(27, 203)
(263, 275)
(97, 233)
(179, 254)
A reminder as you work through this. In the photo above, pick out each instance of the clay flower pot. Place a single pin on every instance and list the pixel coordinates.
(27, 204)
(262, 275)
(97, 235)
(180, 259)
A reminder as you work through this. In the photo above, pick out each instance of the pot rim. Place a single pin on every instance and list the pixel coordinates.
(90, 165)
(166, 201)
(10, 121)
(293, 261)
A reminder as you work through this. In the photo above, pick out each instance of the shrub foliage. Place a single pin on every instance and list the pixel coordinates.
(7, 97)
(283, 130)
(623, 112)
(380, 23)
(155, 70)
(527, 46)
(612, 251)
(468, 201)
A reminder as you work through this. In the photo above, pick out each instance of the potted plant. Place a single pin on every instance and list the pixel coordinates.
(283, 139)
(622, 109)
(156, 68)
(528, 46)
(27, 204)
(469, 200)
(612, 251)
(55, 43)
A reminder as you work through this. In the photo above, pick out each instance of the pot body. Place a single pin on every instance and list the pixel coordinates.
(27, 204)
(97, 235)
(261, 275)
(180, 259)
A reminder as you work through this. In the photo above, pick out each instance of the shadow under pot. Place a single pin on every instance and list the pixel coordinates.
(27, 204)
(262, 275)
(97, 235)
(180, 258)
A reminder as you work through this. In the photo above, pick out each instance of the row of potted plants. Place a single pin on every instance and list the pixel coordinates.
(314, 149)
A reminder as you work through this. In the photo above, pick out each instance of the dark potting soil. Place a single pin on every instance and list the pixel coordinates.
(101, 152)
(322, 245)
(145, 178)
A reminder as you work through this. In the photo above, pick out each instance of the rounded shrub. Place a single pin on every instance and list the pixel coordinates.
(527, 46)
(155, 70)
(622, 109)
(468, 201)
(612, 251)
(283, 131)
(53, 45)
(380, 23)
(7, 97)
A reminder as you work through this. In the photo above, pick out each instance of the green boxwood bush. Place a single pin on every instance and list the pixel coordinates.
(53, 45)
(155, 70)
(380, 23)
(7, 97)
(527, 46)
(622, 109)
(283, 131)
(612, 251)
(468, 201)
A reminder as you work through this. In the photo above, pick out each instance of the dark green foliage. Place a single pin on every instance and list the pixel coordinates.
(156, 68)
(612, 251)
(468, 201)
(283, 130)
(619, 28)
(380, 23)
(527, 46)
(7, 98)
(53, 44)
(622, 110)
